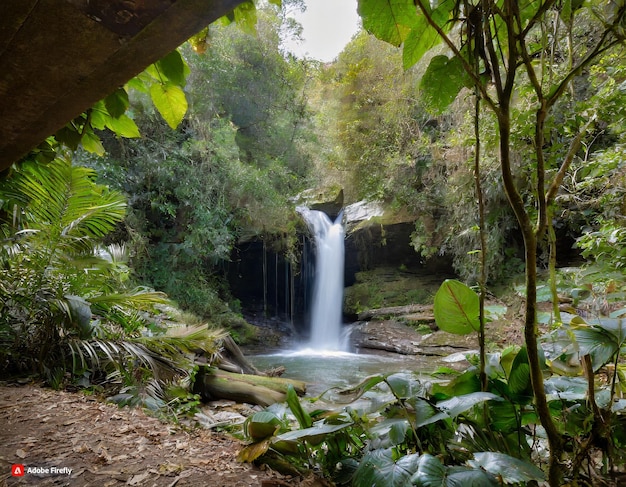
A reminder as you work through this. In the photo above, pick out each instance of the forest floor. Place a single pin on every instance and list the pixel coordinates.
(92, 443)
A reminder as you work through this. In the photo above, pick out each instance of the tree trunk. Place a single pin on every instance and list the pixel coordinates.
(555, 440)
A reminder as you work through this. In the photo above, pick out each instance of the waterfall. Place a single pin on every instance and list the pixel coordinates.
(327, 303)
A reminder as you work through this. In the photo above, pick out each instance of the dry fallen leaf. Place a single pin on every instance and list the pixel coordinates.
(138, 479)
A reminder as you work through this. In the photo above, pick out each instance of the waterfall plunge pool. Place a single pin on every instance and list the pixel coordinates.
(324, 363)
(323, 370)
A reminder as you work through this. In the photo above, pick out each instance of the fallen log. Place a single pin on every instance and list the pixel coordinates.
(233, 360)
(212, 383)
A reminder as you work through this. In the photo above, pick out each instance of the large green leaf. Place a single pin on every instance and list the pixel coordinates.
(261, 425)
(420, 40)
(379, 469)
(404, 385)
(117, 103)
(173, 67)
(313, 435)
(465, 383)
(92, 143)
(423, 36)
(170, 101)
(124, 126)
(432, 473)
(602, 340)
(353, 393)
(390, 21)
(245, 17)
(80, 315)
(442, 82)
(512, 470)
(456, 308)
(451, 408)
(296, 408)
(519, 377)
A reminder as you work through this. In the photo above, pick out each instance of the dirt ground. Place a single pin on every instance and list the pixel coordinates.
(107, 446)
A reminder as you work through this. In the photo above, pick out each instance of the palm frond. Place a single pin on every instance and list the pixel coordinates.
(125, 356)
(139, 297)
(64, 200)
(186, 340)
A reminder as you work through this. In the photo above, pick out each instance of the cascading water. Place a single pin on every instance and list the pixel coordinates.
(327, 304)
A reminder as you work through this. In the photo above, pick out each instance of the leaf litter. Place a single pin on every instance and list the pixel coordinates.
(108, 446)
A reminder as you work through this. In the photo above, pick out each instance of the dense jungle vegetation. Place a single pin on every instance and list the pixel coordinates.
(498, 126)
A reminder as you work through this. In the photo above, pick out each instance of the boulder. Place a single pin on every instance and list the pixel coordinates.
(328, 200)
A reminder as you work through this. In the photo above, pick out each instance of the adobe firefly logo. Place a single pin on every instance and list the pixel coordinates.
(17, 470)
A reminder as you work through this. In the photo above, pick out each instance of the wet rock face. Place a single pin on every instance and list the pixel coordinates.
(396, 337)
(378, 245)
(329, 201)
(269, 287)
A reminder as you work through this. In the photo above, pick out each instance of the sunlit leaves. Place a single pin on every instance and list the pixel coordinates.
(390, 21)
(402, 22)
(124, 126)
(420, 40)
(164, 81)
(92, 143)
(244, 15)
(296, 408)
(170, 101)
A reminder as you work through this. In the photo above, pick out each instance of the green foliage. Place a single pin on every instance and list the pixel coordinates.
(456, 308)
(54, 217)
(67, 307)
(225, 174)
(408, 438)
(606, 246)
(438, 97)
(379, 467)
(604, 340)
(452, 433)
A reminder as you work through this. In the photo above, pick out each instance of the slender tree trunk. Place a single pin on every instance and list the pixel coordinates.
(482, 280)
(555, 440)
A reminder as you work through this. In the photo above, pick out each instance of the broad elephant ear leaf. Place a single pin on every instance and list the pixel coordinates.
(456, 308)
(512, 470)
(389, 21)
(379, 468)
(451, 408)
(601, 340)
(432, 473)
(443, 80)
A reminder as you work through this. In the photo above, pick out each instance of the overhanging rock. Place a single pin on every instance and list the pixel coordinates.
(59, 57)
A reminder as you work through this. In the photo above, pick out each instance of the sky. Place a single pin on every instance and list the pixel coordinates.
(328, 25)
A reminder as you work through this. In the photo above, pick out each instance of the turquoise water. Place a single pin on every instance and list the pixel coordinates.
(323, 370)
